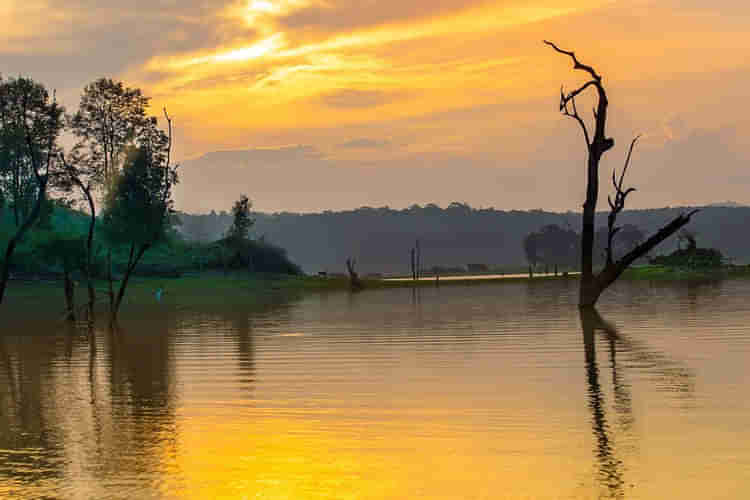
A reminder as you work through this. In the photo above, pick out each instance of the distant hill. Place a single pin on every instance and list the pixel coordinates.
(380, 238)
(727, 204)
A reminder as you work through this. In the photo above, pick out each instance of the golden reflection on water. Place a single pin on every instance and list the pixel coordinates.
(499, 391)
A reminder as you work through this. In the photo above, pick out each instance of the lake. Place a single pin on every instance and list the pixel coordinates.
(488, 391)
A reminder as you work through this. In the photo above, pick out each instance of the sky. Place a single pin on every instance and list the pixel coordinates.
(311, 105)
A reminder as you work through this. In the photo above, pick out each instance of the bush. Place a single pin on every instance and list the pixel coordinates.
(694, 258)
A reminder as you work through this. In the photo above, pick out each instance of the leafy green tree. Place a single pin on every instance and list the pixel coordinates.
(237, 237)
(109, 121)
(138, 210)
(552, 245)
(242, 222)
(30, 123)
(530, 248)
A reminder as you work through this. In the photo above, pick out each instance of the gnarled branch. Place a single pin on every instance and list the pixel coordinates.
(618, 204)
(567, 112)
(576, 63)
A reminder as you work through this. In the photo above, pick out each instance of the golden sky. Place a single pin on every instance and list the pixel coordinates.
(326, 104)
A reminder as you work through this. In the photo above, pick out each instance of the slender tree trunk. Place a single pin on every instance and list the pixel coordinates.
(111, 291)
(354, 282)
(69, 296)
(419, 260)
(89, 253)
(133, 260)
(5, 271)
(16, 196)
(413, 265)
(89, 277)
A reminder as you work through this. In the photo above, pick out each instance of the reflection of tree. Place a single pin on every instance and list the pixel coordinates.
(90, 409)
(24, 401)
(670, 375)
(245, 348)
(609, 466)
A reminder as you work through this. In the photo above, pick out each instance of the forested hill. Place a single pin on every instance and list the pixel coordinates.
(380, 239)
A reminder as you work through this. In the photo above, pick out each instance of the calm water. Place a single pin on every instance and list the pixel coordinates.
(491, 391)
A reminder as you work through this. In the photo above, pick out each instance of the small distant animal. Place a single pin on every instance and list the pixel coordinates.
(159, 292)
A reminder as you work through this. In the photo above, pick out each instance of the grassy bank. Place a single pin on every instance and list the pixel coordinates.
(242, 289)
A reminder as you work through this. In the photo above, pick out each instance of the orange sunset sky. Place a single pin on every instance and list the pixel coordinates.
(308, 105)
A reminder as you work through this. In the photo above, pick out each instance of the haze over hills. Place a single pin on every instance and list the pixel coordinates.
(380, 239)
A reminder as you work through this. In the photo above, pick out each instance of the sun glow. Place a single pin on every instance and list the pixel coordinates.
(255, 51)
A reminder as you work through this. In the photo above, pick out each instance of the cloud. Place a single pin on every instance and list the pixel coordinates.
(338, 15)
(365, 143)
(266, 156)
(352, 98)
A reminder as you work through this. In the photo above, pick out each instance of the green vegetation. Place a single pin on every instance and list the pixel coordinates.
(669, 273)
(123, 159)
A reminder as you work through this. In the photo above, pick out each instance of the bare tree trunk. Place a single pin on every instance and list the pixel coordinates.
(89, 254)
(354, 281)
(16, 239)
(133, 259)
(419, 260)
(111, 291)
(414, 264)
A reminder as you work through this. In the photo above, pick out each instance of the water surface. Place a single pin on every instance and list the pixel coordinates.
(459, 392)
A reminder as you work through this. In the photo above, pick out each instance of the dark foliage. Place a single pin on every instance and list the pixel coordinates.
(255, 255)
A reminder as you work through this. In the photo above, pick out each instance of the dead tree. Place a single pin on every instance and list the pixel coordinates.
(354, 281)
(413, 264)
(419, 260)
(597, 143)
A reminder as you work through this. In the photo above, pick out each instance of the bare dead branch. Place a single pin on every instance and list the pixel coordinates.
(169, 126)
(574, 115)
(576, 63)
(618, 205)
(613, 271)
(627, 160)
(580, 89)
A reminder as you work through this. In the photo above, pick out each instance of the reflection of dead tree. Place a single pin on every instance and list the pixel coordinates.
(597, 143)
(354, 282)
(677, 378)
(609, 465)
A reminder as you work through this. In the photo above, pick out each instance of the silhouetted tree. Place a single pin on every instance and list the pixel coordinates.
(242, 222)
(552, 246)
(237, 234)
(109, 120)
(30, 123)
(354, 282)
(597, 143)
(530, 243)
(139, 207)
